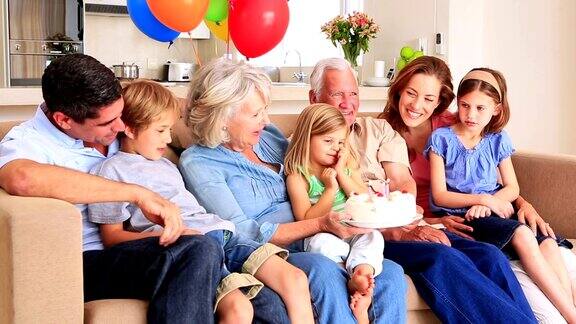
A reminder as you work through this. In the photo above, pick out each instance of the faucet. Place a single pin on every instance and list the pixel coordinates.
(299, 76)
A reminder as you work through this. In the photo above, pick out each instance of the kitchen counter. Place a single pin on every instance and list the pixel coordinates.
(20, 103)
(33, 95)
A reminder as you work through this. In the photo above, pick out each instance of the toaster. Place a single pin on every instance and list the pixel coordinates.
(180, 71)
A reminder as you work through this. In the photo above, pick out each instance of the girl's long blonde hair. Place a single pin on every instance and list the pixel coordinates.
(316, 119)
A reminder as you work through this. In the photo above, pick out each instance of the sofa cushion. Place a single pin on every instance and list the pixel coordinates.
(544, 181)
(115, 311)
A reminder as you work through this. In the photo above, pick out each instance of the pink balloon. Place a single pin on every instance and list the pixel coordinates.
(257, 26)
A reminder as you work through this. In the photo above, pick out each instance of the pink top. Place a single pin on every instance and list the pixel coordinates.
(421, 166)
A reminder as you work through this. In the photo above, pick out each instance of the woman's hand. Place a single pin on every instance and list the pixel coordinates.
(500, 207)
(328, 178)
(529, 216)
(331, 223)
(455, 225)
(477, 211)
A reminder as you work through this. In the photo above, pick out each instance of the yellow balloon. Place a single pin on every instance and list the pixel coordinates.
(219, 29)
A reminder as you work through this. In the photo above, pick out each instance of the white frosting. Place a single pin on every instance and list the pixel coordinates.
(366, 208)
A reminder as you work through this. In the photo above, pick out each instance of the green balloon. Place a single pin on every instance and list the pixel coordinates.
(400, 64)
(217, 10)
(406, 52)
(417, 54)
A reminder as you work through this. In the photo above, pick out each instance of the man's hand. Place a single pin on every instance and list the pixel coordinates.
(161, 211)
(455, 225)
(424, 234)
(529, 216)
(331, 223)
(477, 211)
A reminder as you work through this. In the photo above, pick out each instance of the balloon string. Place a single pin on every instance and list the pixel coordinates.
(195, 50)
(228, 32)
(170, 45)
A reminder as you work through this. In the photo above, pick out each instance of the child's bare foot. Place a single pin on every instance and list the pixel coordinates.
(362, 280)
(359, 304)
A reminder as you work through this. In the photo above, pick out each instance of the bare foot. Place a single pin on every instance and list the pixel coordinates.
(362, 280)
(359, 304)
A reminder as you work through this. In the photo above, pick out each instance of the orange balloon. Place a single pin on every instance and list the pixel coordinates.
(219, 29)
(180, 15)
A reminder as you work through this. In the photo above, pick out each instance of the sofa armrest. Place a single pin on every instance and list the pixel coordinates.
(548, 182)
(40, 261)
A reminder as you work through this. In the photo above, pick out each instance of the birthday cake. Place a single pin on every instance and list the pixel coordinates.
(398, 207)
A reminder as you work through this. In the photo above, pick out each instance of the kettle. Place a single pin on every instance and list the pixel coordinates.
(126, 71)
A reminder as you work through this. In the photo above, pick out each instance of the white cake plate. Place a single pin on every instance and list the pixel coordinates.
(387, 223)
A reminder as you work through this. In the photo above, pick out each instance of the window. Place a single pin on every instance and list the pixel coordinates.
(304, 35)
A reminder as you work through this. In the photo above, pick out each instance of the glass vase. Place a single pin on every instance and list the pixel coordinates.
(351, 53)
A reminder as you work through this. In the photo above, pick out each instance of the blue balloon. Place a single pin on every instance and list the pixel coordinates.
(148, 24)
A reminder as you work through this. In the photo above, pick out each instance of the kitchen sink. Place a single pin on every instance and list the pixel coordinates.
(290, 84)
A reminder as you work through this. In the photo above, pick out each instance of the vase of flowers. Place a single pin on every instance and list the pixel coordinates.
(353, 33)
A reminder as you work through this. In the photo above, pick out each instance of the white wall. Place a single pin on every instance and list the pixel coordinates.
(401, 23)
(533, 43)
(114, 39)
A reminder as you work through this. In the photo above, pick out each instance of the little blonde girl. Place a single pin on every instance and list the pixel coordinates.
(472, 176)
(149, 113)
(320, 176)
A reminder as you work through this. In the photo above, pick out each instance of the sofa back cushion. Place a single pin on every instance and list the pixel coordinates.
(7, 126)
(181, 138)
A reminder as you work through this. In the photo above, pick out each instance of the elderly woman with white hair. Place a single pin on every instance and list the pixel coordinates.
(235, 169)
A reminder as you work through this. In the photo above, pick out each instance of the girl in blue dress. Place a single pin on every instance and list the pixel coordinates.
(472, 176)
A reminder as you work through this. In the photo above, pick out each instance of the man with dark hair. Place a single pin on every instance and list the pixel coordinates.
(50, 155)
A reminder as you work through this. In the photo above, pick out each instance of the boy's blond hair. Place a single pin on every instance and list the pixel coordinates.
(144, 102)
(316, 119)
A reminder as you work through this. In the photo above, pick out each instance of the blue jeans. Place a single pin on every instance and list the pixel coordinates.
(179, 280)
(470, 282)
(236, 249)
(330, 297)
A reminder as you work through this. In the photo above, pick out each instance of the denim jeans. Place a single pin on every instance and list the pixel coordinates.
(330, 297)
(470, 282)
(236, 249)
(179, 280)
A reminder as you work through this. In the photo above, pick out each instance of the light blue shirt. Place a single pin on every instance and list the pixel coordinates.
(160, 176)
(39, 140)
(470, 171)
(226, 183)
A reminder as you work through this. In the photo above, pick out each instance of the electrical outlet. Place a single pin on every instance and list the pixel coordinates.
(440, 44)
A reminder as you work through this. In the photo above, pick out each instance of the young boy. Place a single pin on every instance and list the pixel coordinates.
(149, 112)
